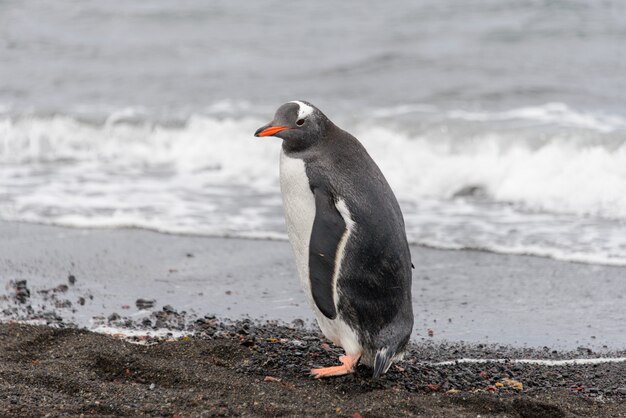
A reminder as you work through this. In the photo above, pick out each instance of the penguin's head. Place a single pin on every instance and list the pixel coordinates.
(299, 124)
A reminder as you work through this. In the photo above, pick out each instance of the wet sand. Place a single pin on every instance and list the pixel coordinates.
(468, 305)
(471, 296)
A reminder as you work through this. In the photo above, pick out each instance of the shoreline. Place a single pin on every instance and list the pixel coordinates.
(277, 237)
(459, 295)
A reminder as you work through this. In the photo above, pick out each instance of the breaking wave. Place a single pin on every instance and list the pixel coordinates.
(544, 180)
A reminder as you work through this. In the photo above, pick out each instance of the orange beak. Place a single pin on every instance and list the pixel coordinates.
(269, 131)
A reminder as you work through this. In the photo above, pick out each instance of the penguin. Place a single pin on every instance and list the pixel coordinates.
(347, 234)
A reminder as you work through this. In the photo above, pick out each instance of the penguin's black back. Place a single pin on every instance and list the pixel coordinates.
(374, 284)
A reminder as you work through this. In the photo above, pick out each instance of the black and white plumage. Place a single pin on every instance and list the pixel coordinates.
(347, 233)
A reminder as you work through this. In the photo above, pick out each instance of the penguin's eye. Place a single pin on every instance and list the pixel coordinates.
(300, 122)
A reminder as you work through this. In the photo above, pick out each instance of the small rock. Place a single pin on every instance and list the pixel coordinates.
(63, 304)
(81, 301)
(71, 279)
(113, 317)
(21, 291)
(61, 288)
(247, 341)
(144, 303)
(513, 383)
(298, 343)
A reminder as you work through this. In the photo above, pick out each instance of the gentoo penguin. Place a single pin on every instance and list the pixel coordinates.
(347, 232)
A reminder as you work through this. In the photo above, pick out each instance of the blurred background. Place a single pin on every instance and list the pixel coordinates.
(500, 125)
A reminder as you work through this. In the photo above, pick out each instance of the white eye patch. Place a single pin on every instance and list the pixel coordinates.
(304, 110)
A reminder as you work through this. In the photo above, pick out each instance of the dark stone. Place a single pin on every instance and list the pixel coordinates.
(144, 303)
(61, 288)
(113, 317)
(22, 293)
(169, 309)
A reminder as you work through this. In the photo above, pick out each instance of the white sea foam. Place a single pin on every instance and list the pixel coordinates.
(135, 335)
(555, 113)
(539, 362)
(560, 176)
(557, 190)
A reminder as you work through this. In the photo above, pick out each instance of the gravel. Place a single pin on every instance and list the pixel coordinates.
(231, 368)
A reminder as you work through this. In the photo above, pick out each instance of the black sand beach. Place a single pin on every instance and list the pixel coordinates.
(251, 370)
(133, 283)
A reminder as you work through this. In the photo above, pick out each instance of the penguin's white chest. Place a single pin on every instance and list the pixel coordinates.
(299, 206)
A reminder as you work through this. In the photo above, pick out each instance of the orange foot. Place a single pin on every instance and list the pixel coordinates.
(348, 362)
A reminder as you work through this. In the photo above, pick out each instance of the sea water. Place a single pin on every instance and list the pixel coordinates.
(500, 125)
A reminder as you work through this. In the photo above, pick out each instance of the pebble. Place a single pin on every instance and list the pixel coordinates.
(22, 293)
(144, 303)
(113, 317)
(298, 323)
(63, 304)
(61, 288)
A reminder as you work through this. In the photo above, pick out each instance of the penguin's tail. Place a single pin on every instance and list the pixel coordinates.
(382, 361)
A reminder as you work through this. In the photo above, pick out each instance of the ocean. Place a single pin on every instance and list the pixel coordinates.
(500, 124)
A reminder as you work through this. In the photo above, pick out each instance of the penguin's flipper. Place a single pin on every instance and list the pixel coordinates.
(328, 230)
